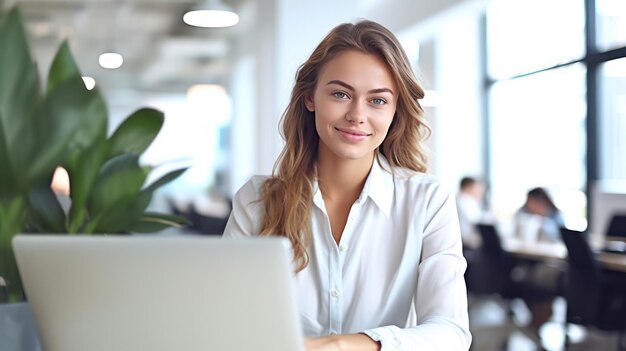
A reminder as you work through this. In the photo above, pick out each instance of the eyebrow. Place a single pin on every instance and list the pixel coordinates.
(350, 87)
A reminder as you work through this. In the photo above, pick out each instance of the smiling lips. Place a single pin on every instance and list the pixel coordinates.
(352, 135)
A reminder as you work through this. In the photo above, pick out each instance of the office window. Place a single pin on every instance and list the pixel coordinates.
(525, 36)
(537, 105)
(610, 24)
(612, 118)
(538, 139)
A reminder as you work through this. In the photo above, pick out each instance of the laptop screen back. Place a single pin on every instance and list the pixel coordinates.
(160, 293)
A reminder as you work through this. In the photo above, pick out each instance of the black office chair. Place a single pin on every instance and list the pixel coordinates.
(491, 267)
(511, 277)
(594, 297)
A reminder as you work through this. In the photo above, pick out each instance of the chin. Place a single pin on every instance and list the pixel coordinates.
(353, 156)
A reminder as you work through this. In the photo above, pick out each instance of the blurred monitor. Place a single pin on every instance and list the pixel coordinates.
(616, 229)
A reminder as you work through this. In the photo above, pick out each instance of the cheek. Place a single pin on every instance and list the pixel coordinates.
(383, 123)
(321, 124)
(326, 114)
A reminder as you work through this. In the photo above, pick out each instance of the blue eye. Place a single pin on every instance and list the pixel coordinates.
(378, 101)
(340, 95)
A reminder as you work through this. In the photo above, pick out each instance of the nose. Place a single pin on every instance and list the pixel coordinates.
(357, 113)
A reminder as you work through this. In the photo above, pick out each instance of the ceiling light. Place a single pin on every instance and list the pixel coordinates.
(110, 60)
(89, 82)
(211, 14)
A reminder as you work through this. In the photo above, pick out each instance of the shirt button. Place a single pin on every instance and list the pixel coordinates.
(343, 247)
(334, 293)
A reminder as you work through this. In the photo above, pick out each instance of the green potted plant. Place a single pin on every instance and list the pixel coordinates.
(64, 124)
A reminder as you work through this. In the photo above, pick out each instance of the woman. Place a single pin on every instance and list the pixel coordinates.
(540, 213)
(540, 220)
(375, 240)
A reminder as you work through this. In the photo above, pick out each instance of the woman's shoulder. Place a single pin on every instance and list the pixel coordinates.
(413, 178)
(406, 175)
(251, 189)
(422, 185)
(257, 180)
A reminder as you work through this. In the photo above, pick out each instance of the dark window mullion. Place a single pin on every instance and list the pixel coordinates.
(592, 149)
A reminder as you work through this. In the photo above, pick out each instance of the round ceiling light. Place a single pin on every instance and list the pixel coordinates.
(111, 60)
(211, 18)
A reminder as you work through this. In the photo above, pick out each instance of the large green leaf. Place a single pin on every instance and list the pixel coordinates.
(63, 67)
(120, 180)
(137, 132)
(19, 98)
(44, 145)
(125, 215)
(143, 200)
(46, 213)
(166, 178)
(93, 118)
(93, 126)
(83, 167)
(116, 218)
(6, 172)
(153, 222)
(19, 79)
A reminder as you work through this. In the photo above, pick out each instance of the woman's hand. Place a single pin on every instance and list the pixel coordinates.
(347, 342)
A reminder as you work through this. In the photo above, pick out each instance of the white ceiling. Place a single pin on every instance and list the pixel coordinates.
(161, 53)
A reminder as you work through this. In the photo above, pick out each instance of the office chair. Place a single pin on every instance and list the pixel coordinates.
(511, 277)
(491, 267)
(594, 297)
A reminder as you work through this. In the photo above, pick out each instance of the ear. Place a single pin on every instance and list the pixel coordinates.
(308, 102)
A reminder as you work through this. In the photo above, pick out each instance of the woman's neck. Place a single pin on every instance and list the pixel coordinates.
(341, 178)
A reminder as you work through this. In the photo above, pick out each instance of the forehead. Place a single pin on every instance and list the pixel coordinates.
(358, 69)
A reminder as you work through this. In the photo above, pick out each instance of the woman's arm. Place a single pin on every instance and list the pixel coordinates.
(441, 297)
(347, 342)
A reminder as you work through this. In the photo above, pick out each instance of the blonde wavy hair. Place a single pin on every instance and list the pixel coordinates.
(288, 194)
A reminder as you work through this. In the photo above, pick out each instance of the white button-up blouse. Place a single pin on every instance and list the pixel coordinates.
(397, 273)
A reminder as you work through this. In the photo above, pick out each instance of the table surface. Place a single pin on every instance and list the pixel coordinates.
(545, 251)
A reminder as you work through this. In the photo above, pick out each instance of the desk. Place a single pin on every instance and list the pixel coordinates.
(545, 251)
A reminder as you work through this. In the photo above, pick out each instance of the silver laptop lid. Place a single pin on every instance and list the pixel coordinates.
(160, 293)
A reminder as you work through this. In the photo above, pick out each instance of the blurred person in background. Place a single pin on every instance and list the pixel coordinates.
(539, 218)
(469, 203)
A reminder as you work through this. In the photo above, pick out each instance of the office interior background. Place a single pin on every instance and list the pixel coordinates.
(519, 93)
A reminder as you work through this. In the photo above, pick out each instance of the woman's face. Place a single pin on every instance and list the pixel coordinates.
(354, 102)
(537, 206)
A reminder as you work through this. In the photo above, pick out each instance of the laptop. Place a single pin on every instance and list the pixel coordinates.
(160, 292)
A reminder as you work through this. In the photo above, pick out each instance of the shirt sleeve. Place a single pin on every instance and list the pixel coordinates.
(245, 217)
(441, 295)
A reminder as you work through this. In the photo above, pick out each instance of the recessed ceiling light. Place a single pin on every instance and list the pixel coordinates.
(111, 60)
(211, 14)
(211, 18)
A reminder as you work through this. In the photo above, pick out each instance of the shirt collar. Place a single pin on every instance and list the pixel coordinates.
(379, 187)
